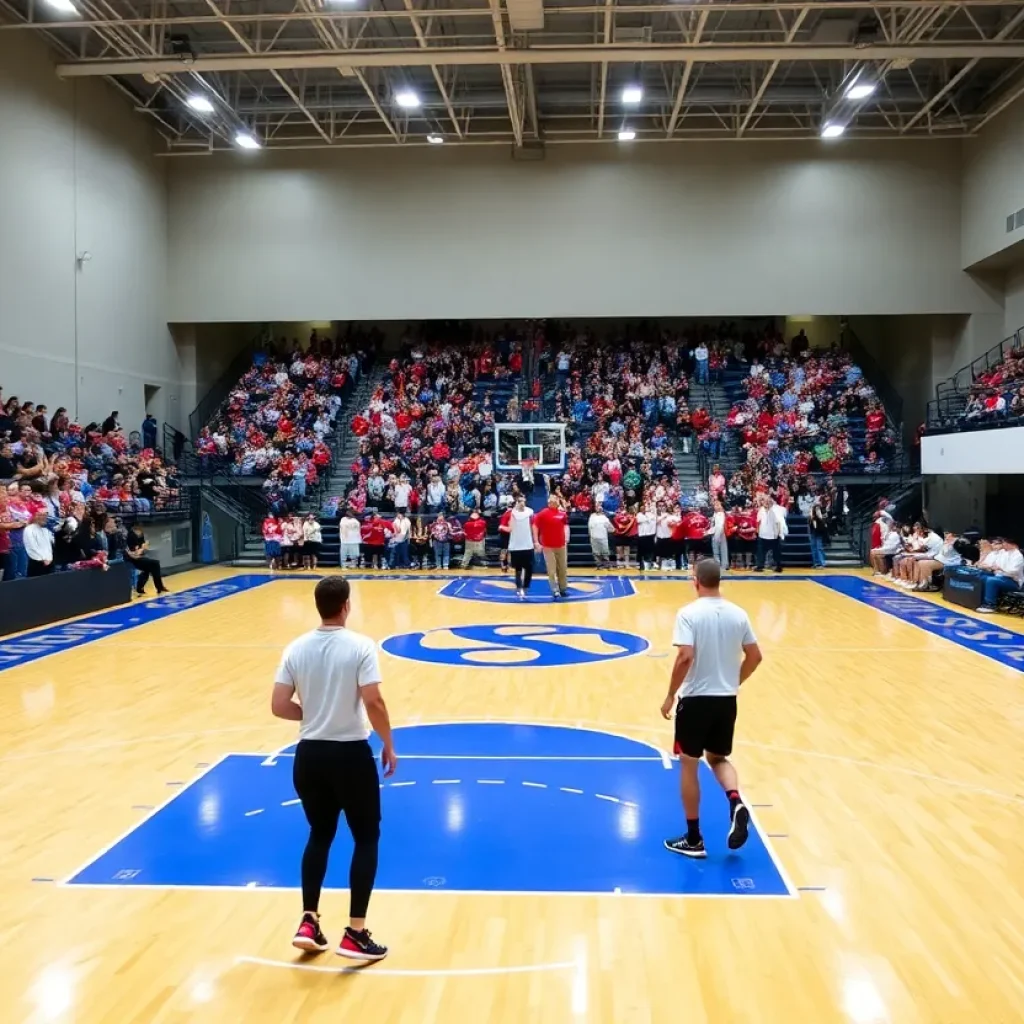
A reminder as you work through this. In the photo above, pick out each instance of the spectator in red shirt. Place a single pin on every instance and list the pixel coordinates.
(692, 531)
(375, 532)
(475, 529)
(551, 536)
(504, 531)
(625, 525)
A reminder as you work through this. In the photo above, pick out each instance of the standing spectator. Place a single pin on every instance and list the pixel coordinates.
(149, 428)
(375, 532)
(19, 515)
(39, 546)
(110, 424)
(818, 528)
(551, 536)
(700, 357)
(716, 484)
(771, 532)
(400, 530)
(312, 538)
(272, 541)
(504, 530)
(135, 551)
(475, 529)
(625, 525)
(598, 527)
(719, 544)
(420, 545)
(646, 528)
(441, 539)
(349, 537)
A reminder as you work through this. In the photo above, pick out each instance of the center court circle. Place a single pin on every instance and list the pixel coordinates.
(516, 645)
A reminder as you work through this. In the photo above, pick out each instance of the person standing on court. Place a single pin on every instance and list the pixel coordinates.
(551, 536)
(716, 653)
(520, 544)
(771, 532)
(329, 682)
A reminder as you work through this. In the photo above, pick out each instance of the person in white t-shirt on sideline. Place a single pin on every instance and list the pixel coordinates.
(771, 532)
(312, 536)
(329, 682)
(716, 653)
(719, 544)
(520, 545)
(401, 492)
(598, 527)
(646, 527)
(349, 536)
(1007, 573)
(925, 545)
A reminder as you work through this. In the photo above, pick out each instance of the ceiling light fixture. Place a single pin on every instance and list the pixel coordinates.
(627, 135)
(860, 90)
(200, 103)
(63, 6)
(632, 94)
(246, 141)
(832, 131)
(407, 99)
(434, 139)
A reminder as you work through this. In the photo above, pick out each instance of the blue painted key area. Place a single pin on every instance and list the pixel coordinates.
(490, 807)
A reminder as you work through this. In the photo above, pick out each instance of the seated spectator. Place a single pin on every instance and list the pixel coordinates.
(136, 548)
(1004, 572)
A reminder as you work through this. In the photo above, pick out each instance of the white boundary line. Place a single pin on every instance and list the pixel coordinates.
(142, 821)
(439, 972)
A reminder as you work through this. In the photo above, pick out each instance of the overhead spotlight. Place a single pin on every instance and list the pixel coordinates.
(632, 94)
(200, 103)
(407, 99)
(860, 90)
(434, 139)
(627, 135)
(832, 131)
(181, 47)
(246, 141)
(62, 6)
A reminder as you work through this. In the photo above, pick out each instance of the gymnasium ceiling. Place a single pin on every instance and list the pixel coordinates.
(297, 74)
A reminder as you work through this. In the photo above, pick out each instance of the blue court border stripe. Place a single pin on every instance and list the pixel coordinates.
(983, 637)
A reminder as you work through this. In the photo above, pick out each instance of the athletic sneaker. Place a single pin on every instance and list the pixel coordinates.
(739, 826)
(985, 610)
(686, 848)
(309, 937)
(563, 593)
(520, 593)
(359, 946)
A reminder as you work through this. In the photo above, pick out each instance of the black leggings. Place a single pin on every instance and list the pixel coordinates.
(330, 778)
(147, 567)
(522, 562)
(645, 549)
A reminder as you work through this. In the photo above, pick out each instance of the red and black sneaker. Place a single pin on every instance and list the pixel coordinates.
(309, 937)
(359, 946)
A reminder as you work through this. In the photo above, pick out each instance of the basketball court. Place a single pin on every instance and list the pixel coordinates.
(151, 834)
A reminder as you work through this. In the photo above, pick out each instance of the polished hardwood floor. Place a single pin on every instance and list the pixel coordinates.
(891, 758)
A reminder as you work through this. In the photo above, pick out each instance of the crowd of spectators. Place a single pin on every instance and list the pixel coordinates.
(276, 420)
(916, 556)
(997, 395)
(425, 445)
(66, 491)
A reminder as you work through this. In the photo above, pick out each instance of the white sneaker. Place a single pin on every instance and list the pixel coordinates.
(985, 610)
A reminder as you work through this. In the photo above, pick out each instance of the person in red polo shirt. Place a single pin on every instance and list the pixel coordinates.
(374, 533)
(692, 530)
(475, 529)
(551, 536)
(746, 530)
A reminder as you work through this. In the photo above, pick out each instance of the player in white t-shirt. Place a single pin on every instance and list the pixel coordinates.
(520, 545)
(335, 677)
(717, 652)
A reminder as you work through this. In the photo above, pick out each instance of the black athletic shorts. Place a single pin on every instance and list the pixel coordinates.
(705, 724)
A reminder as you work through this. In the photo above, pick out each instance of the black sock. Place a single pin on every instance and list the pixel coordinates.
(693, 830)
(734, 799)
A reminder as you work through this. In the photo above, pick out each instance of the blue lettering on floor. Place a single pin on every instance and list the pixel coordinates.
(995, 642)
(502, 589)
(492, 807)
(515, 645)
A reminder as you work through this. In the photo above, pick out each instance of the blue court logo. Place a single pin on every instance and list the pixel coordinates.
(502, 590)
(515, 646)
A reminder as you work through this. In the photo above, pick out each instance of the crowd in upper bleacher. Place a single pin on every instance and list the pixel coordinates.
(67, 490)
(997, 394)
(276, 419)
